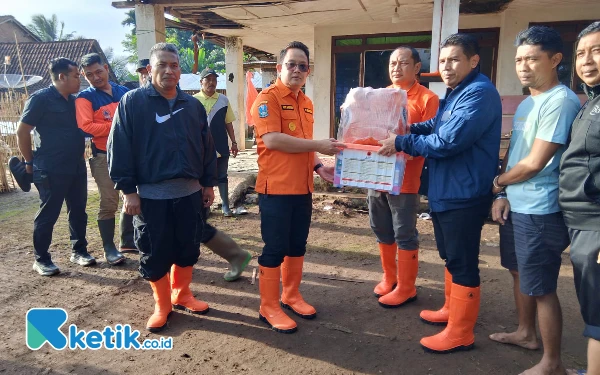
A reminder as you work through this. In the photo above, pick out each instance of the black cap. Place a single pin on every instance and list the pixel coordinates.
(142, 64)
(206, 72)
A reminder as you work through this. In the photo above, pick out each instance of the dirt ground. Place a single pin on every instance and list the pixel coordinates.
(352, 334)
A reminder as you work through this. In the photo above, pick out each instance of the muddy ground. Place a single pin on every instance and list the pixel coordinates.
(351, 335)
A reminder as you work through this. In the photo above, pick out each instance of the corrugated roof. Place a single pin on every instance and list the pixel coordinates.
(35, 57)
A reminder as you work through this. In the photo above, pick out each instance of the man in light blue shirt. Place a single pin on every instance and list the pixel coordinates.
(547, 117)
(529, 178)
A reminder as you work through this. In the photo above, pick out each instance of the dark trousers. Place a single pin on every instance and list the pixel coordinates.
(284, 225)
(167, 232)
(222, 167)
(54, 189)
(585, 256)
(457, 235)
(209, 231)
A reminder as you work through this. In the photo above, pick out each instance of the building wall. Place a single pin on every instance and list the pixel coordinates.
(7, 35)
(322, 69)
(514, 21)
(509, 22)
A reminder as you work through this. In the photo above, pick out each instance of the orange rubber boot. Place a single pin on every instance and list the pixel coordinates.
(387, 254)
(405, 291)
(181, 295)
(458, 334)
(440, 317)
(291, 276)
(270, 312)
(162, 305)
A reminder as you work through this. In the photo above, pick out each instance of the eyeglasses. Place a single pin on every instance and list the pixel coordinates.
(301, 67)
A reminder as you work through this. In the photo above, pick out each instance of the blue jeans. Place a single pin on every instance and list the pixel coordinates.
(284, 225)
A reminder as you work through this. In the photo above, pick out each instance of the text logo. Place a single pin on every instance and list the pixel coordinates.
(43, 326)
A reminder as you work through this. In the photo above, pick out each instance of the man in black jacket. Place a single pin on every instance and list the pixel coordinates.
(579, 194)
(58, 168)
(161, 155)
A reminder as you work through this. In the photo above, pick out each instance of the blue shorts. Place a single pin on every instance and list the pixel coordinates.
(539, 243)
(508, 256)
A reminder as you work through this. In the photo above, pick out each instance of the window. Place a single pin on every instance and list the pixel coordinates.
(362, 60)
(347, 72)
(348, 42)
(399, 39)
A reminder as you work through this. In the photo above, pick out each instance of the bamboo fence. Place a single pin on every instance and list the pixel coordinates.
(11, 105)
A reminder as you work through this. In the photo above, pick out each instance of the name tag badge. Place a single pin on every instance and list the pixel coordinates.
(446, 115)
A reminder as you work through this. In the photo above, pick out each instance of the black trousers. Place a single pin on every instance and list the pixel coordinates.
(54, 189)
(167, 232)
(457, 235)
(585, 256)
(284, 225)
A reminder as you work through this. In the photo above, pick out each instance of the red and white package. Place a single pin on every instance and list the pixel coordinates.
(368, 115)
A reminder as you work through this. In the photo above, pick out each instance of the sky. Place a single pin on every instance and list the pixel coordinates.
(93, 19)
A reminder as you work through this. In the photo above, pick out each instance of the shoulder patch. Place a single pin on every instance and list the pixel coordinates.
(263, 110)
(308, 110)
(287, 107)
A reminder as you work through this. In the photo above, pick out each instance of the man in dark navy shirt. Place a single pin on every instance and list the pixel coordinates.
(57, 164)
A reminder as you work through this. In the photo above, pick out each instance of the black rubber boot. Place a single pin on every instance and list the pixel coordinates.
(127, 244)
(107, 233)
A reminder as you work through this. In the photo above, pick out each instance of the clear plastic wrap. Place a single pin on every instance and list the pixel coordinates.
(368, 115)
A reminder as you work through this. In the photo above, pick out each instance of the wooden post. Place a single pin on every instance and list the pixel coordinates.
(234, 65)
(21, 64)
(445, 23)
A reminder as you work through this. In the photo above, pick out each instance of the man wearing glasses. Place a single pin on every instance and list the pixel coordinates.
(286, 162)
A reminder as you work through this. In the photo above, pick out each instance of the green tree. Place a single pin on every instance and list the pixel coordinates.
(49, 29)
(119, 66)
(130, 42)
(211, 55)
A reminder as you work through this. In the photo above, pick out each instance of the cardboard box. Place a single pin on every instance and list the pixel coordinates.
(360, 166)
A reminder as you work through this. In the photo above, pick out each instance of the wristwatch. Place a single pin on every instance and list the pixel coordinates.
(28, 163)
(316, 168)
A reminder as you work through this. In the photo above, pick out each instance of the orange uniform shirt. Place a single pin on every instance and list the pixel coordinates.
(422, 106)
(95, 111)
(276, 109)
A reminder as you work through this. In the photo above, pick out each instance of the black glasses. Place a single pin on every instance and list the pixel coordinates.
(301, 67)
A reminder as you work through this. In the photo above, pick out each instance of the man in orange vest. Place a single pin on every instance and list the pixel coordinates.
(286, 162)
(394, 217)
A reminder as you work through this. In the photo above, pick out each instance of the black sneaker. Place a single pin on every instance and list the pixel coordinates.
(83, 259)
(46, 268)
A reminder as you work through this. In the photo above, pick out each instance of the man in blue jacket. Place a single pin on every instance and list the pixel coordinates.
(461, 144)
(161, 155)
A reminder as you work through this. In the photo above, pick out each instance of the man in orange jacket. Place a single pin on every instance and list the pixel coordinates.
(96, 107)
(286, 162)
(394, 217)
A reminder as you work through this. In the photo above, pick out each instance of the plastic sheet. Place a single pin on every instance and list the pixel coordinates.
(368, 115)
